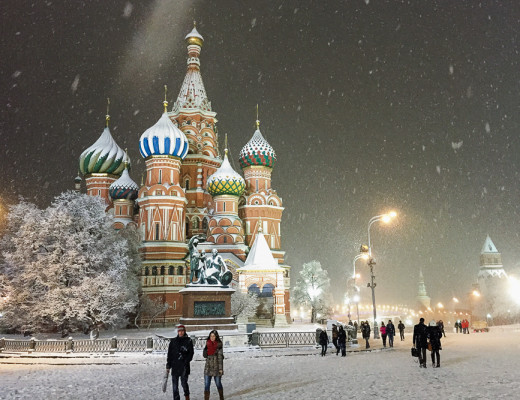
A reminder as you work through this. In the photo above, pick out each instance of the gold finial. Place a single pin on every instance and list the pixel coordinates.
(194, 23)
(165, 102)
(107, 117)
(225, 142)
(125, 159)
(257, 120)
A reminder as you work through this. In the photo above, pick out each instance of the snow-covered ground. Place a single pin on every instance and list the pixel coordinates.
(475, 366)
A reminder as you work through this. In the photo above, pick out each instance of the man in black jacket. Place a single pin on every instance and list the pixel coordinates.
(420, 341)
(180, 354)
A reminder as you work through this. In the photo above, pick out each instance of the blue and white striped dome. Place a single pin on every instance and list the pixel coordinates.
(163, 139)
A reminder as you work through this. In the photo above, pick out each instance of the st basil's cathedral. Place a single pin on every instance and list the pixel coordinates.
(189, 189)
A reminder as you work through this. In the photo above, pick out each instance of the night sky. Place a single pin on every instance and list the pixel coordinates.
(369, 105)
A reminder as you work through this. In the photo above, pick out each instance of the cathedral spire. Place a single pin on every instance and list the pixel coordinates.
(192, 95)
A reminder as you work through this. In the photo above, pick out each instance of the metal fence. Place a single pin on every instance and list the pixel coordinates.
(147, 345)
(285, 339)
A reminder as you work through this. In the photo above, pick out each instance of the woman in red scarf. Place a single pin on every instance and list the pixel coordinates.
(214, 368)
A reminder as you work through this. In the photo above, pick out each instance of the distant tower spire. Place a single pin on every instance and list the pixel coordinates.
(107, 117)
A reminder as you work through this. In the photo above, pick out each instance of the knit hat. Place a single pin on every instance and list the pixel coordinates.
(181, 327)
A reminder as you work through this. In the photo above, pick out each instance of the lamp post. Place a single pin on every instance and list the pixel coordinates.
(355, 297)
(371, 262)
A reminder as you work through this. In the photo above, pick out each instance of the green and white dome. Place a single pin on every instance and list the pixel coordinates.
(104, 156)
(225, 180)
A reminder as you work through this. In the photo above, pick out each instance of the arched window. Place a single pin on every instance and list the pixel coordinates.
(146, 271)
(205, 225)
(154, 270)
(195, 224)
(267, 290)
(170, 270)
(224, 239)
(187, 227)
(187, 185)
(162, 269)
(179, 270)
(156, 231)
(254, 289)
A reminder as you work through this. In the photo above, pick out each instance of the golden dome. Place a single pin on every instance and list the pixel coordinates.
(194, 37)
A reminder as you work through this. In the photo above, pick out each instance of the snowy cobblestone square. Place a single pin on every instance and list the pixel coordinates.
(475, 366)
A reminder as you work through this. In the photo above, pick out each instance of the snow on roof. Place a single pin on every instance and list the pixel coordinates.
(260, 256)
(489, 246)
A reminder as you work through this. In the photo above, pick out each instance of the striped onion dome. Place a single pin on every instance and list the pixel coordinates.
(104, 156)
(164, 138)
(225, 180)
(124, 187)
(257, 152)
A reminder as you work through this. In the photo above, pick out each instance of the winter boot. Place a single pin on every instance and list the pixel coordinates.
(206, 395)
(221, 394)
(187, 397)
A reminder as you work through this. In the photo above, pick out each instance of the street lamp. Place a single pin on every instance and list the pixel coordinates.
(355, 298)
(386, 218)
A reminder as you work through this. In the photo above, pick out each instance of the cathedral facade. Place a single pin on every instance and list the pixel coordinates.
(190, 189)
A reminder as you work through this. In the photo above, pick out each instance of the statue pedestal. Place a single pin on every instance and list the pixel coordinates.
(207, 307)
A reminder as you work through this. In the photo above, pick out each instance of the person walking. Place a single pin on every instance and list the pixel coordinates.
(335, 337)
(440, 324)
(180, 354)
(214, 368)
(342, 341)
(355, 329)
(401, 328)
(382, 330)
(390, 332)
(365, 330)
(324, 341)
(435, 335)
(456, 326)
(420, 341)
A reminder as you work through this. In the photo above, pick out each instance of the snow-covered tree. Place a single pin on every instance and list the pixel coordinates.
(66, 268)
(244, 305)
(150, 309)
(311, 289)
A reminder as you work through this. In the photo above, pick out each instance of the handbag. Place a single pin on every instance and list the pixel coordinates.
(415, 352)
(165, 380)
(429, 346)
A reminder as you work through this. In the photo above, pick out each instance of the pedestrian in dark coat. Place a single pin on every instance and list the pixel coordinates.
(324, 341)
(382, 330)
(440, 324)
(435, 335)
(390, 332)
(180, 354)
(342, 341)
(214, 368)
(365, 330)
(420, 341)
(335, 337)
(401, 328)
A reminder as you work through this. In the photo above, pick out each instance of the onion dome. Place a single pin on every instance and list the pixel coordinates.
(257, 151)
(194, 37)
(225, 180)
(104, 156)
(164, 138)
(124, 187)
